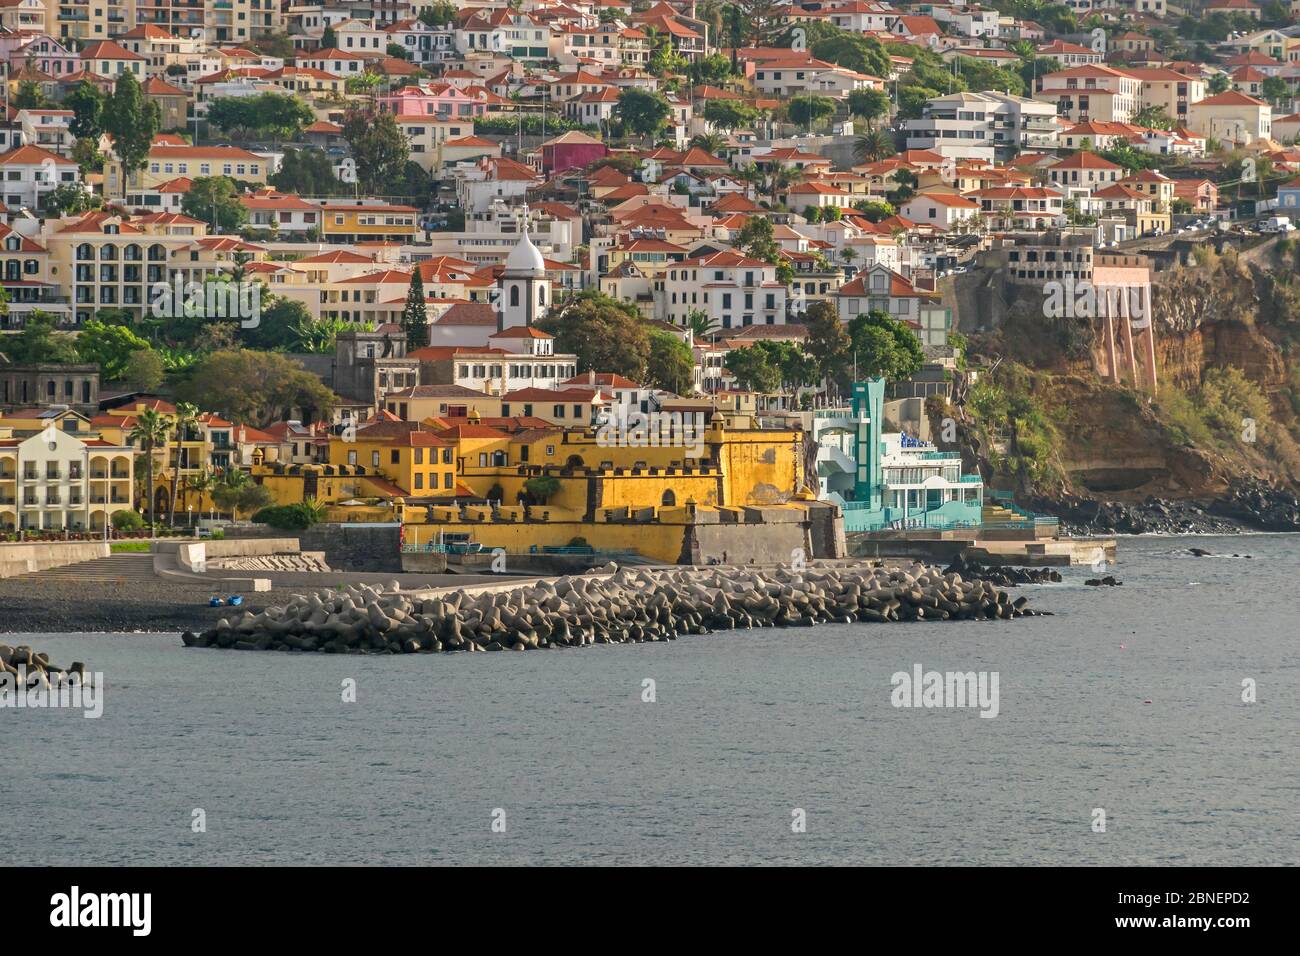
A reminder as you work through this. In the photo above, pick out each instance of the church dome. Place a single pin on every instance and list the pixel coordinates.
(525, 259)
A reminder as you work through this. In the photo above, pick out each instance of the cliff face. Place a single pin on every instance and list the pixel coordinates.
(1119, 444)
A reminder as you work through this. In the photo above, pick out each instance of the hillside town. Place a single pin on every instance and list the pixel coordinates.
(571, 276)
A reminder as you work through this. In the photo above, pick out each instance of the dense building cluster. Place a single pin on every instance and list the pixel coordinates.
(572, 260)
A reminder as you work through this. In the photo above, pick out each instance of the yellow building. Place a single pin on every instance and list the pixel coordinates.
(593, 471)
(167, 161)
(417, 462)
(184, 462)
(367, 219)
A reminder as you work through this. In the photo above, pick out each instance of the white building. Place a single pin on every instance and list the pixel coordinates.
(732, 289)
(984, 126)
(30, 172)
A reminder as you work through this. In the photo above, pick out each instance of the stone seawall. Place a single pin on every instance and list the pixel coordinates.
(25, 557)
(347, 547)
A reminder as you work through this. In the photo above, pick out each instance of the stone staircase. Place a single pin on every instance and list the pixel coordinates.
(995, 513)
(115, 569)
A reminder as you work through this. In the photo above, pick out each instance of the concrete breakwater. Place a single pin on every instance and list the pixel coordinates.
(34, 669)
(613, 606)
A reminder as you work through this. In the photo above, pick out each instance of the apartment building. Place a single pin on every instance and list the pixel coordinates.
(57, 481)
(984, 126)
(732, 289)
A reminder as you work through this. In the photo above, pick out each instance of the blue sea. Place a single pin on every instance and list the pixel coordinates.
(1127, 701)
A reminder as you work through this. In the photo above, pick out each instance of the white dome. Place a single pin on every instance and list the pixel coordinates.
(525, 259)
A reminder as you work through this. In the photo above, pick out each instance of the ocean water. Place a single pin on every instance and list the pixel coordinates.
(1128, 700)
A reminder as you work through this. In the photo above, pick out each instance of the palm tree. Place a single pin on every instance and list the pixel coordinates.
(150, 432)
(873, 146)
(751, 175)
(781, 178)
(711, 143)
(225, 493)
(701, 324)
(186, 417)
(202, 484)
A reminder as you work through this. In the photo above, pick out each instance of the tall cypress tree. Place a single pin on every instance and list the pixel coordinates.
(133, 122)
(415, 317)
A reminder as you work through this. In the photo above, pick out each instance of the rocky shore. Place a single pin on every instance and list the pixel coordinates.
(1252, 506)
(611, 606)
(1002, 576)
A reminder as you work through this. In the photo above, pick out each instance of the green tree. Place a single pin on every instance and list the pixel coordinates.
(143, 370)
(671, 365)
(873, 146)
(1275, 89)
(150, 432)
(415, 315)
(236, 492)
(69, 199)
(438, 13)
(885, 346)
(604, 334)
(108, 346)
(307, 172)
(642, 112)
(255, 387)
(215, 200)
(29, 96)
(757, 239)
(40, 342)
(753, 369)
(729, 114)
(379, 148)
(329, 40)
(869, 104)
(1152, 117)
(278, 329)
(86, 100)
(85, 153)
(541, 488)
(132, 121)
(185, 419)
(853, 51)
(701, 324)
(827, 342)
(810, 111)
(711, 70)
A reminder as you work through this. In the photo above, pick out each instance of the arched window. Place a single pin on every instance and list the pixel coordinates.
(669, 499)
(541, 295)
(514, 297)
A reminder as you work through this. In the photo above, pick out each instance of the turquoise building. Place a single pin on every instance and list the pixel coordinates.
(887, 480)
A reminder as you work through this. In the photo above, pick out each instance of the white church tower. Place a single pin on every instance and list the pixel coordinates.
(524, 295)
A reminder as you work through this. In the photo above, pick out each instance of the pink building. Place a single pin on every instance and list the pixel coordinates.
(572, 150)
(45, 53)
(441, 100)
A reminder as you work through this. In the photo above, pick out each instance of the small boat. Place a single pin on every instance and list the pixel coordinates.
(216, 602)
